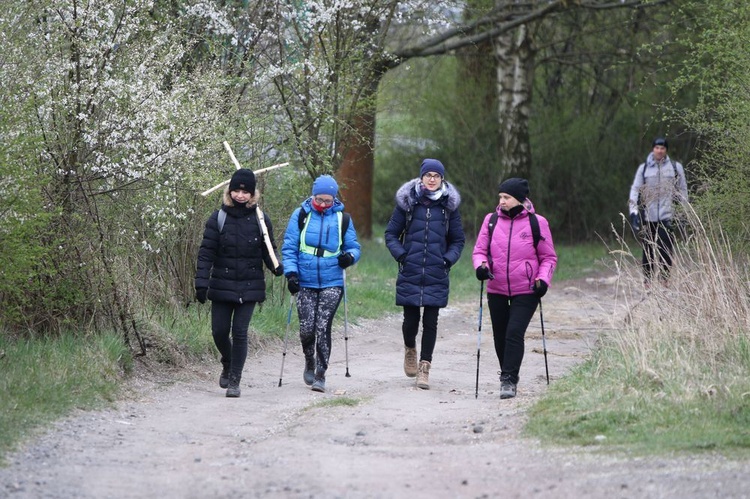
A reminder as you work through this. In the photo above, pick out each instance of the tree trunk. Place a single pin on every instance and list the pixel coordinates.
(514, 56)
(355, 175)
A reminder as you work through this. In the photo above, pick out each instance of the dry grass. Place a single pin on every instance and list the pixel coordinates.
(675, 374)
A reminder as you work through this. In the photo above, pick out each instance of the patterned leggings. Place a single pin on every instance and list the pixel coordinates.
(316, 309)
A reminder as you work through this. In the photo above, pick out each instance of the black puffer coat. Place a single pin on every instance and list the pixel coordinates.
(432, 244)
(230, 264)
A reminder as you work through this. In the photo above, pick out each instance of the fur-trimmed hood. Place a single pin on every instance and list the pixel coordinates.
(407, 195)
(251, 203)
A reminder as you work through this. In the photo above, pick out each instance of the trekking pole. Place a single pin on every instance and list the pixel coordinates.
(541, 318)
(544, 342)
(479, 336)
(286, 335)
(346, 327)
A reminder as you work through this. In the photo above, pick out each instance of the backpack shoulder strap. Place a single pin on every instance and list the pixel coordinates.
(490, 229)
(302, 218)
(536, 233)
(345, 221)
(407, 224)
(220, 219)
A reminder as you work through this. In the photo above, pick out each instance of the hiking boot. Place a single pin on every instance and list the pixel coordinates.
(319, 385)
(423, 376)
(411, 366)
(507, 388)
(309, 374)
(233, 389)
(224, 377)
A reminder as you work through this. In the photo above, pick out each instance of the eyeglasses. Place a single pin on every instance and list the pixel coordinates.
(432, 176)
(323, 202)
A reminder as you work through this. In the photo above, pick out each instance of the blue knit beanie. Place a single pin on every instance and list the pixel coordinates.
(325, 184)
(431, 165)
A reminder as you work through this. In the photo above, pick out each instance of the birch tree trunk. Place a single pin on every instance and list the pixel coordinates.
(514, 57)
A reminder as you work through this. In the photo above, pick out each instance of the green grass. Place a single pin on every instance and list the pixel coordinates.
(337, 402)
(581, 260)
(44, 379)
(602, 404)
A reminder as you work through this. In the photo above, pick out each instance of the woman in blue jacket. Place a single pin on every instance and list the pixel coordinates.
(426, 238)
(319, 243)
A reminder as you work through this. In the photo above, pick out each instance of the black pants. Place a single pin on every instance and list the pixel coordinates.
(231, 318)
(657, 240)
(316, 309)
(510, 318)
(410, 329)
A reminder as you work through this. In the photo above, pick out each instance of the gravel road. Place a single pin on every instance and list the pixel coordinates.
(178, 436)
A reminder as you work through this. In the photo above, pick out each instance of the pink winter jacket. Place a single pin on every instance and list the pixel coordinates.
(515, 263)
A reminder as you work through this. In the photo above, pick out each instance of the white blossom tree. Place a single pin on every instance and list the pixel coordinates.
(115, 116)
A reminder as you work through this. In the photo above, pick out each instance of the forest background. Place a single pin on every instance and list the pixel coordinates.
(113, 118)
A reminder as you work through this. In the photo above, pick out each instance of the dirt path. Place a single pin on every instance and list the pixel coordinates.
(185, 439)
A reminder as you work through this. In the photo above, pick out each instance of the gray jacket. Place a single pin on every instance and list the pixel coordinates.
(660, 186)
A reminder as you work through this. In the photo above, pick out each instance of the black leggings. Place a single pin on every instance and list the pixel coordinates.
(510, 318)
(233, 351)
(316, 309)
(410, 329)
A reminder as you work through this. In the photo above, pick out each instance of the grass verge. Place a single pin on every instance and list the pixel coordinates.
(44, 379)
(674, 377)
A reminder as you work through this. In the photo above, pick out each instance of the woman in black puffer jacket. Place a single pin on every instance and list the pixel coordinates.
(230, 273)
(426, 238)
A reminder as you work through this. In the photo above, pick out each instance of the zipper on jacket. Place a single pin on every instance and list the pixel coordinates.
(507, 261)
(427, 217)
(319, 245)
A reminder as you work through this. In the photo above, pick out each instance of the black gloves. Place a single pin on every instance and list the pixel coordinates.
(200, 294)
(483, 273)
(279, 270)
(401, 258)
(447, 264)
(292, 283)
(345, 260)
(540, 288)
(635, 222)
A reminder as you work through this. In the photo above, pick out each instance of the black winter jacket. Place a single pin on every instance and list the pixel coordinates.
(432, 244)
(230, 263)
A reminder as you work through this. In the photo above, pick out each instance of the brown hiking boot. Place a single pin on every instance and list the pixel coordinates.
(423, 376)
(410, 362)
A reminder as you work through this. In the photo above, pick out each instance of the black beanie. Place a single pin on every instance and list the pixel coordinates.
(243, 179)
(660, 141)
(516, 187)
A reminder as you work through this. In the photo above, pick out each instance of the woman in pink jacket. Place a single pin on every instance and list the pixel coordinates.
(514, 250)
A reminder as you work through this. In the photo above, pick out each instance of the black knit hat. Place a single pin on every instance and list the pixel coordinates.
(516, 187)
(660, 141)
(243, 179)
